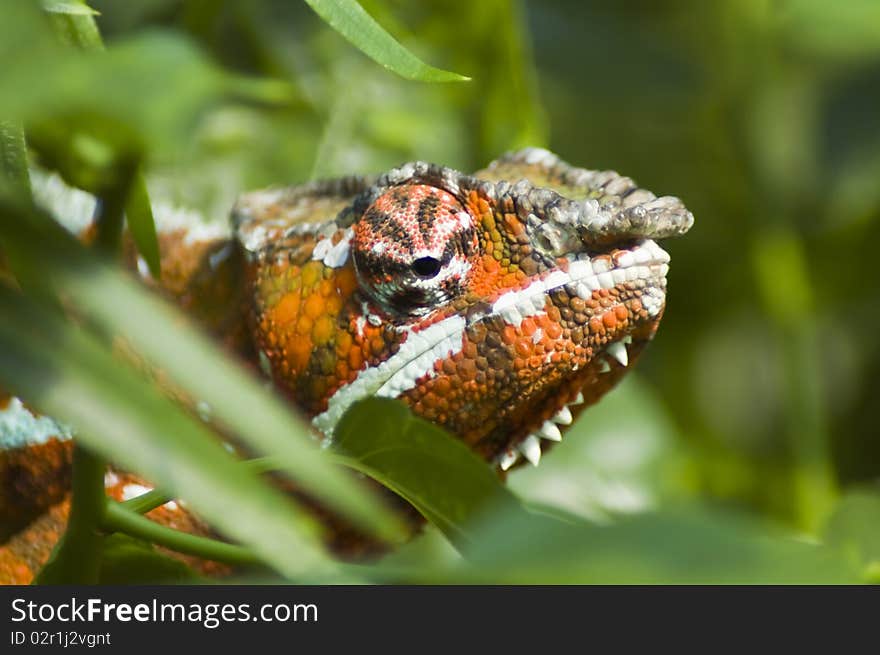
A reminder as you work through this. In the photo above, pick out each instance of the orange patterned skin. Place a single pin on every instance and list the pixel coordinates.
(488, 303)
(498, 305)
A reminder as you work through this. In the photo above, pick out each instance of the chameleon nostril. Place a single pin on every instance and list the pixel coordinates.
(426, 267)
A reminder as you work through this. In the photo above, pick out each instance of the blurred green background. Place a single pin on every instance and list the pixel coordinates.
(760, 391)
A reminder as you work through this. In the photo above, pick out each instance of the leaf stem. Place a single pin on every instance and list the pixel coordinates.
(119, 518)
(77, 558)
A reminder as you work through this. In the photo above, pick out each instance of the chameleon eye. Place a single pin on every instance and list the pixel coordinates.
(412, 249)
(426, 267)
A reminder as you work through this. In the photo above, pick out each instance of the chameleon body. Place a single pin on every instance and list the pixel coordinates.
(498, 305)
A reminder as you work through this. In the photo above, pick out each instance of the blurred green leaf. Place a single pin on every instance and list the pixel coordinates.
(71, 7)
(435, 472)
(349, 19)
(126, 560)
(118, 306)
(686, 546)
(100, 95)
(67, 374)
(854, 526)
(849, 29)
(14, 177)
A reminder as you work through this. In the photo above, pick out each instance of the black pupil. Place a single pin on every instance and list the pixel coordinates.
(426, 267)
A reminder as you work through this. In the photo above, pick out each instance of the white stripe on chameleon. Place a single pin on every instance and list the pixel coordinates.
(646, 261)
(73, 208)
(395, 375)
(421, 350)
(20, 428)
(333, 256)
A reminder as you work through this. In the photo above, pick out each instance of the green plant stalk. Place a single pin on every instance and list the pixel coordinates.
(150, 500)
(118, 518)
(13, 158)
(77, 558)
(111, 217)
(146, 502)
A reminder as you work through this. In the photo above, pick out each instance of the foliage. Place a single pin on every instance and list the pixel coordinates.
(756, 396)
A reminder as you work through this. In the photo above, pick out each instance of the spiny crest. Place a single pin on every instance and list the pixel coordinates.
(412, 248)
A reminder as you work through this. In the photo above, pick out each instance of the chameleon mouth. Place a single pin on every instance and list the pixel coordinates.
(639, 268)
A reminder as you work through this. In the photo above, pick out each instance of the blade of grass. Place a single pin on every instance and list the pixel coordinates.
(349, 19)
(139, 216)
(13, 159)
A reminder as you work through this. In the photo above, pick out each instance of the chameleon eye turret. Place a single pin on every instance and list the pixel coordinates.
(413, 249)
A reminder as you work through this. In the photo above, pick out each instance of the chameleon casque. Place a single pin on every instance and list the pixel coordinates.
(498, 305)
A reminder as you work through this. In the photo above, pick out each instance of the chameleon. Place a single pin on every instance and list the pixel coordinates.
(498, 305)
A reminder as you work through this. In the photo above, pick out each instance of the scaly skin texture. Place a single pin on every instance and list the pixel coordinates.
(498, 305)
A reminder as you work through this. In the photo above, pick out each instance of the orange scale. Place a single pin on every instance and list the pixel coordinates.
(524, 347)
(299, 353)
(508, 335)
(314, 306)
(622, 312)
(346, 281)
(287, 308)
(510, 280)
(323, 330)
(528, 326)
(553, 331)
(355, 359)
(343, 343)
(377, 346)
(311, 273)
(304, 325)
(325, 288)
(609, 319)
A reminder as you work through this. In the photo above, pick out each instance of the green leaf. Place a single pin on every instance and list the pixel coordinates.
(14, 175)
(684, 546)
(71, 7)
(349, 19)
(851, 29)
(126, 560)
(139, 216)
(117, 305)
(854, 526)
(66, 373)
(438, 474)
